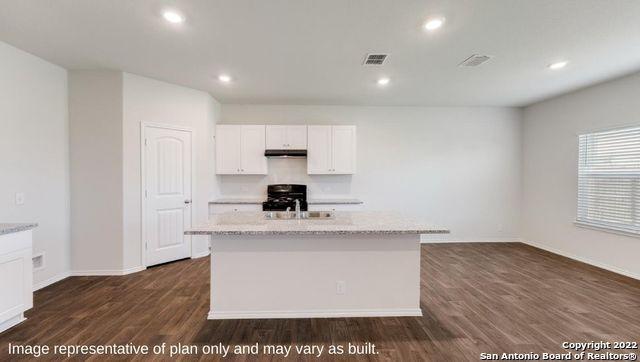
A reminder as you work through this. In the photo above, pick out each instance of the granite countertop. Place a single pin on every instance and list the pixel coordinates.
(6, 228)
(251, 201)
(354, 222)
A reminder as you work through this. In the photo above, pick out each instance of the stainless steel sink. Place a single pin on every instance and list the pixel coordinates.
(288, 215)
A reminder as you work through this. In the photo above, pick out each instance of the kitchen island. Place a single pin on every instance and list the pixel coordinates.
(355, 264)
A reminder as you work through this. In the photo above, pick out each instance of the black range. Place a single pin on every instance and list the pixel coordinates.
(283, 196)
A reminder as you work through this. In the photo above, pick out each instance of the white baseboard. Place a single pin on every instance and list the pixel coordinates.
(424, 239)
(84, 273)
(582, 259)
(328, 313)
(87, 273)
(200, 255)
(53, 279)
(11, 322)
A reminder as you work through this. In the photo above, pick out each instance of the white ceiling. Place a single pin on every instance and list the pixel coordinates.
(311, 51)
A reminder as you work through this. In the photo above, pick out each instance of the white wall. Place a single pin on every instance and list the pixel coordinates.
(148, 100)
(457, 167)
(34, 154)
(551, 172)
(95, 118)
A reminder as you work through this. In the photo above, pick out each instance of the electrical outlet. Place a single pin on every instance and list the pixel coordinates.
(19, 198)
(38, 261)
(341, 287)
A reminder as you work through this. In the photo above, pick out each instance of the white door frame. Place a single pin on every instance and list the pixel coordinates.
(143, 181)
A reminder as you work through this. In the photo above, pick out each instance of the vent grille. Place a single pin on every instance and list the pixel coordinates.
(375, 59)
(475, 60)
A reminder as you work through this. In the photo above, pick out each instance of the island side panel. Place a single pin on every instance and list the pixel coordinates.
(296, 276)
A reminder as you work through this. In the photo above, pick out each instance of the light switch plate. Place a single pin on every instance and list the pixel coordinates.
(19, 198)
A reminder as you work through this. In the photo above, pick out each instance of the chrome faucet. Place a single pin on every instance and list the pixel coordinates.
(298, 215)
(288, 209)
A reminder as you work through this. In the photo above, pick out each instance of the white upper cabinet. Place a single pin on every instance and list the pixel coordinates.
(228, 149)
(240, 150)
(252, 159)
(331, 150)
(344, 149)
(286, 137)
(276, 137)
(319, 150)
(297, 137)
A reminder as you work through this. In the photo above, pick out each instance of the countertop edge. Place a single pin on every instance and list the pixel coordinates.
(314, 232)
(10, 228)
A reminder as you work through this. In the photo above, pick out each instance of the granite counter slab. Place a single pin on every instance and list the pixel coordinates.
(249, 201)
(344, 223)
(8, 228)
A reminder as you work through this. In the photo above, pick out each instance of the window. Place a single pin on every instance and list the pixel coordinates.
(609, 180)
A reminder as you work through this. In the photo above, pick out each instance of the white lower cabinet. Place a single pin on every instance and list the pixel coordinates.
(16, 277)
(222, 208)
(335, 207)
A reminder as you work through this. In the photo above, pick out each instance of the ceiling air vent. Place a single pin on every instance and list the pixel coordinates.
(475, 60)
(375, 59)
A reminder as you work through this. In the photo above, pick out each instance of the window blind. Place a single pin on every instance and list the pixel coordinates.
(609, 179)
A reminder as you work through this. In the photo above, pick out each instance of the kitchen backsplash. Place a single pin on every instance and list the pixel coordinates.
(285, 171)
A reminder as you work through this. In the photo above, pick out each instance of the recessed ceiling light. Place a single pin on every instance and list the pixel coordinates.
(433, 24)
(558, 65)
(224, 78)
(173, 17)
(383, 81)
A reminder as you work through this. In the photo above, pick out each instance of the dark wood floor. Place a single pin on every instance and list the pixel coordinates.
(476, 298)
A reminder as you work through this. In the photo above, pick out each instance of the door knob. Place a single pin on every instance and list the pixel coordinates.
(187, 201)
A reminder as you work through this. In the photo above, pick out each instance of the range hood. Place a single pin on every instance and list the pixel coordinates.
(286, 153)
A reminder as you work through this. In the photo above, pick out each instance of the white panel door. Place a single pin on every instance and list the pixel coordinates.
(252, 145)
(297, 137)
(344, 149)
(276, 137)
(319, 150)
(168, 194)
(228, 149)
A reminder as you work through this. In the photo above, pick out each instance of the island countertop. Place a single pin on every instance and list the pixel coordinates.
(353, 222)
(8, 228)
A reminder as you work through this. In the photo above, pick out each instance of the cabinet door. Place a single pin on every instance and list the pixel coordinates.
(276, 137)
(319, 150)
(228, 149)
(297, 137)
(223, 208)
(344, 149)
(252, 145)
(336, 207)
